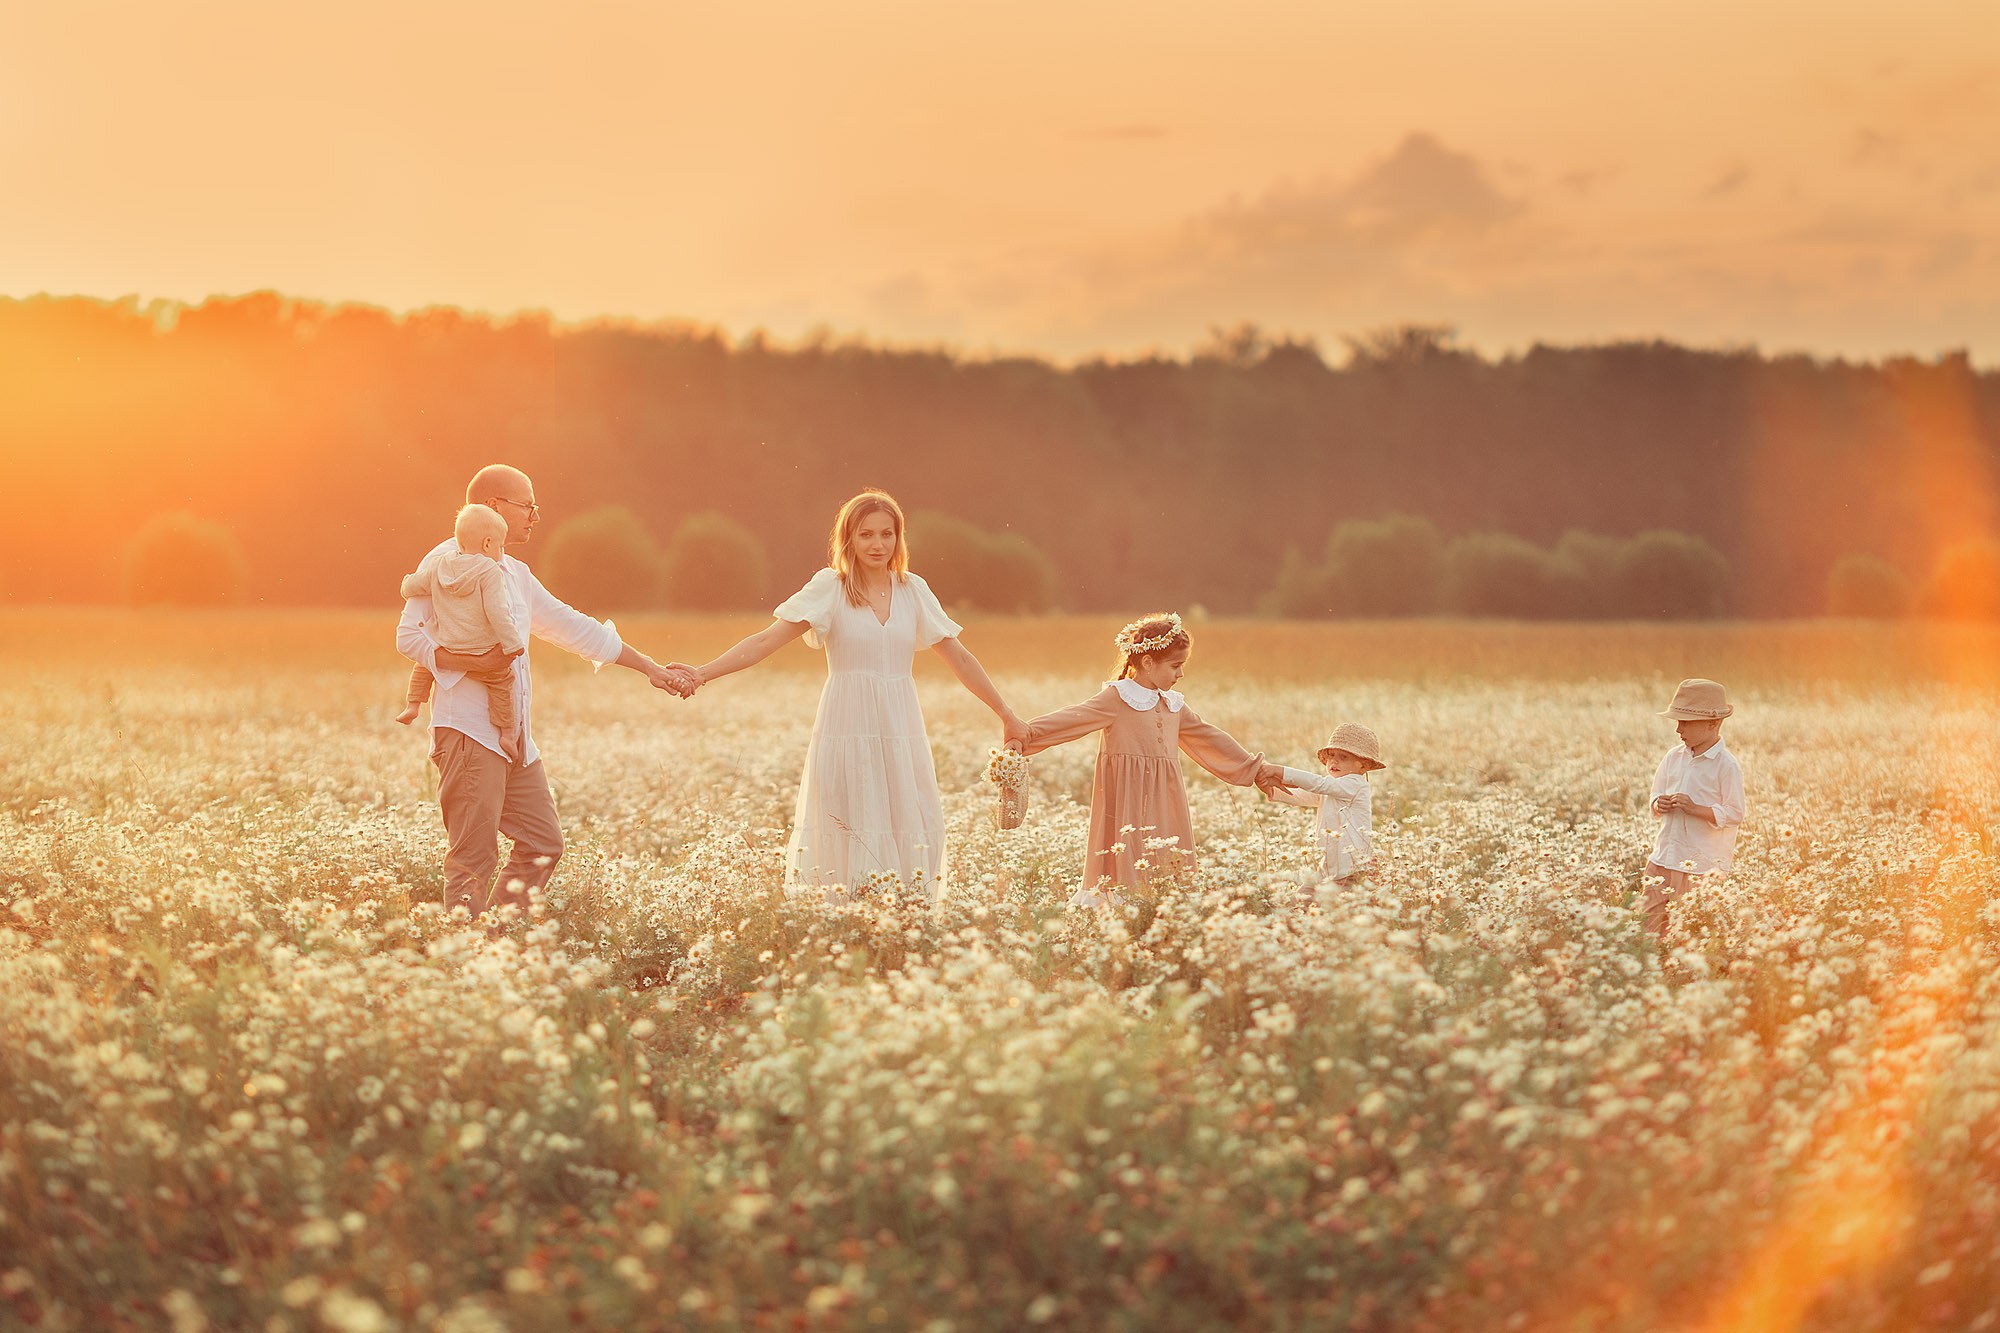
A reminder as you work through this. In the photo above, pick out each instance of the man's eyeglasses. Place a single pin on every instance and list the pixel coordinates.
(534, 510)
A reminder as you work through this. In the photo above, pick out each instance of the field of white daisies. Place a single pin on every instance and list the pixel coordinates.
(252, 1078)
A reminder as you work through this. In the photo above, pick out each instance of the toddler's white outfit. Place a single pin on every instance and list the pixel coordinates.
(1346, 818)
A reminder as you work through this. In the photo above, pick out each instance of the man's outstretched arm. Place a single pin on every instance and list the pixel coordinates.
(596, 641)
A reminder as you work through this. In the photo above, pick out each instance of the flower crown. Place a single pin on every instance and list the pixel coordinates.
(1131, 645)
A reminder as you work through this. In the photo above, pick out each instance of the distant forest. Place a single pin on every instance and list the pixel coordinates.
(333, 442)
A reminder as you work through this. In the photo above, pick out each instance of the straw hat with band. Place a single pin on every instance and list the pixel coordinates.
(1698, 700)
(1358, 741)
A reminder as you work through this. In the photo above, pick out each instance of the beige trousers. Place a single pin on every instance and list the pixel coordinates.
(481, 796)
(1662, 887)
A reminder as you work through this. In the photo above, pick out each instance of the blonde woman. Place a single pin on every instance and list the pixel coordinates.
(868, 800)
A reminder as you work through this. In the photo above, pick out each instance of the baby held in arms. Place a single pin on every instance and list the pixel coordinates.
(472, 614)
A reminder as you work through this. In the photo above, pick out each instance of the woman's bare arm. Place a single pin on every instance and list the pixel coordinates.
(751, 650)
(980, 686)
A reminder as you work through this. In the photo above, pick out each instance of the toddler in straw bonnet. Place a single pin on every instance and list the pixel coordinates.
(1697, 797)
(1343, 798)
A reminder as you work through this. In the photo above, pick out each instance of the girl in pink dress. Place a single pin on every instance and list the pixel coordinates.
(1137, 793)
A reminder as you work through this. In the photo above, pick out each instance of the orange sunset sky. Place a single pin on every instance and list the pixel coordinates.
(1054, 177)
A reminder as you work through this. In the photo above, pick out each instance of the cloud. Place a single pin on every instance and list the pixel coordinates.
(1125, 133)
(910, 303)
(1423, 193)
(1871, 147)
(1395, 233)
(1421, 188)
(1733, 178)
(1583, 180)
(1430, 233)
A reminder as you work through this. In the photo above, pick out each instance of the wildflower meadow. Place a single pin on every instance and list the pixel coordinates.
(253, 1077)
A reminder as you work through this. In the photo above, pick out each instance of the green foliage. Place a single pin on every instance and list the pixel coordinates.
(1671, 576)
(1392, 566)
(1867, 586)
(605, 560)
(970, 567)
(1398, 566)
(1586, 566)
(1966, 583)
(180, 560)
(1389, 567)
(1498, 574)
(1248, 445)
(716, 564)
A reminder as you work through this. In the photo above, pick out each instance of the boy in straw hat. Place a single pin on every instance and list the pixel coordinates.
(1697, 797)
(1343, 798)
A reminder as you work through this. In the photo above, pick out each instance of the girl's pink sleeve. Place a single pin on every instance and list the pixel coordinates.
(1068, 724)
(1217, 751)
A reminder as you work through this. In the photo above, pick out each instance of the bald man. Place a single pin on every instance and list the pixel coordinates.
(481, 793)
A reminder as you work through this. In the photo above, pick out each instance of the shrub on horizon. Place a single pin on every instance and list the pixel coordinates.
(715, 563)
(1392, 566)
(1371, 568)
(1499, 574)
(604, 560)
(1671, 576)
(179, 559)
(1584, 581)
(970, 567)
(1867, 587)
(1397, 566)
(1965, 585)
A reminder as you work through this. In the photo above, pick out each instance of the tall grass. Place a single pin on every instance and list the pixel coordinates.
(252, 1077)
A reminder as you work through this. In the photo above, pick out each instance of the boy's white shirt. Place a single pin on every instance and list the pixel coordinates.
(1692, 842)
(460, 704)
(1346, 817)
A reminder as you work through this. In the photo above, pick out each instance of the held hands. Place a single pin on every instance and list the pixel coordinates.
(1270, 778)
(1013, 732)
(676, 678)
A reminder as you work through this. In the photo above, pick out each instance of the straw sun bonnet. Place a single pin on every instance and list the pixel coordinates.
(1358, 741)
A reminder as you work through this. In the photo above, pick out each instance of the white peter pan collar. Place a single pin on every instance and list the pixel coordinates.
(1145, 700)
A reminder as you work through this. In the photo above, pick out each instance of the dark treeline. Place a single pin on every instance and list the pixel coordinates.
(334, 441)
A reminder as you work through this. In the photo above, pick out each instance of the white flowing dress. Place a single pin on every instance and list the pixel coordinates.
(868, 800)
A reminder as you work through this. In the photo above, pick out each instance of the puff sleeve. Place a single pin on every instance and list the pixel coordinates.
(813, 606)
(933, 624)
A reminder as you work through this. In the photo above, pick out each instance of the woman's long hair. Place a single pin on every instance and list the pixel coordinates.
(840, 542)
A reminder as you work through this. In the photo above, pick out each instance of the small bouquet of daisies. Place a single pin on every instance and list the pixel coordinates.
(1007, 770)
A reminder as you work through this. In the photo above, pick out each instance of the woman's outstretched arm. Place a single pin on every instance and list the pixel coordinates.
(980, 686)
(751, 650)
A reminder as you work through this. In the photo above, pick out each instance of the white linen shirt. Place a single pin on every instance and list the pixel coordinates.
(1346, 817)
(460, 704)
(1689, 841)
